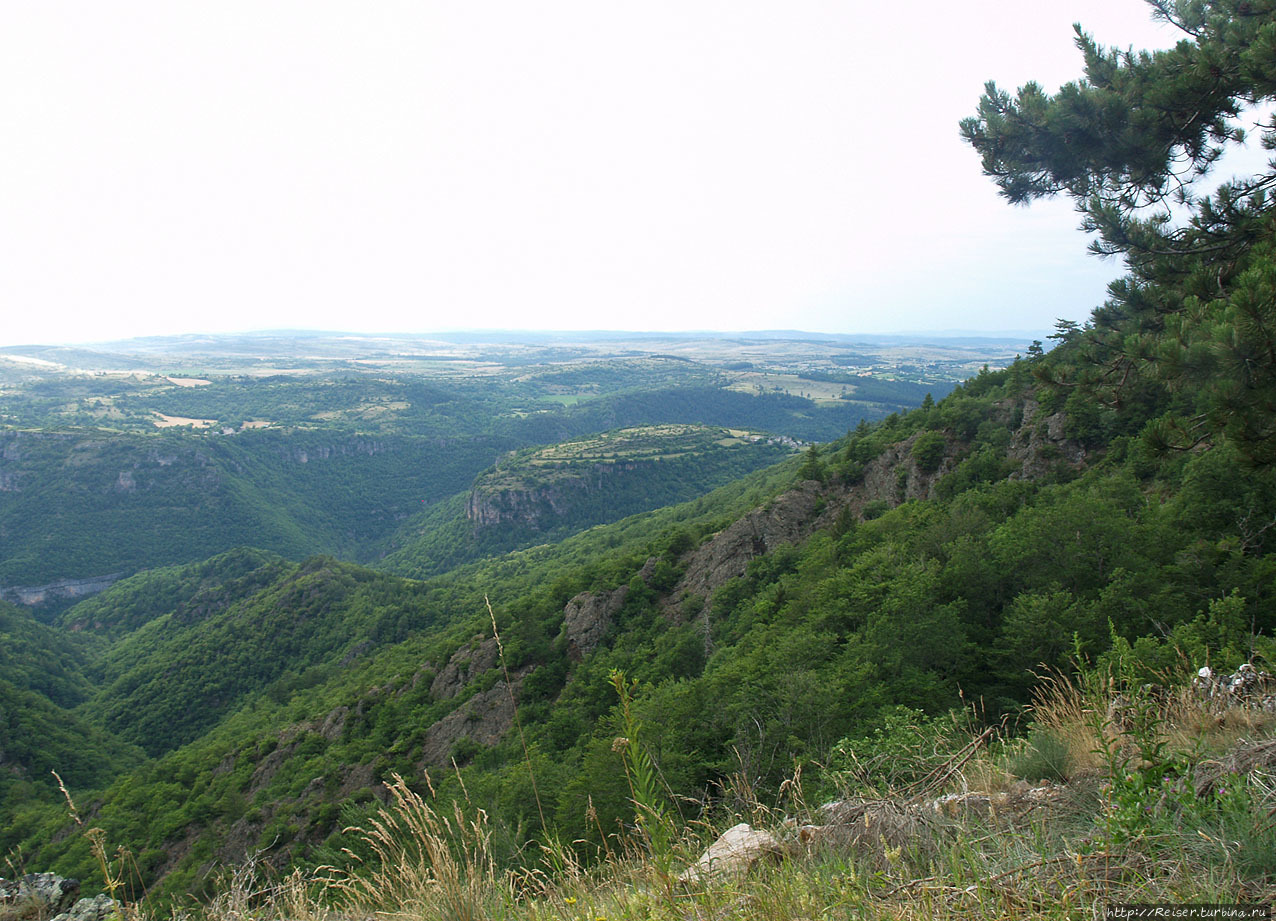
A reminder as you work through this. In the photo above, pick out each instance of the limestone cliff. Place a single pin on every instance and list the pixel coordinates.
(540, 505)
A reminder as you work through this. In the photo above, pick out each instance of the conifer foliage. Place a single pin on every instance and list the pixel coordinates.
(1133, 143)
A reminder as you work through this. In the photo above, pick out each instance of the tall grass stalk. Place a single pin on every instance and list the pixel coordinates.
(651, 815)
(425, 864)
(114, 870)
(518, 723)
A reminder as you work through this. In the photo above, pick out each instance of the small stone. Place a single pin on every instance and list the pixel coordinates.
(734, 853)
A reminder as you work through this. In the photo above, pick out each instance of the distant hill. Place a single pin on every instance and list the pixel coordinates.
(336, 444)
(538, 495)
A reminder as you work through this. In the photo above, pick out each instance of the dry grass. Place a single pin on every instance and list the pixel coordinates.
(243, 896)
(893, 860)
(1078, 718)
(425, 865)
(1090, 716)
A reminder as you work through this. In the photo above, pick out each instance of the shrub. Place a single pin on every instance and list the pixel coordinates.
(928, 451)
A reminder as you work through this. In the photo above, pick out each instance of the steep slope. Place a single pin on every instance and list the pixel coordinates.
(344, 481)
(42, 678)
(282, 624)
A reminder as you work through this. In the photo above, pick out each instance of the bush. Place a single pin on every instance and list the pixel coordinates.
(876, 509)
(928, 451)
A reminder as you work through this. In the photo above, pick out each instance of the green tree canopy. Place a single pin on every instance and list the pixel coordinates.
(1132, 143)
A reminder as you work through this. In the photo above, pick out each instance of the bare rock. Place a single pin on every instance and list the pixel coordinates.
(334, 723)
(466, 663)
(791, 517)
(648, 569)
(787, 519)
(98, 908)
(587, 617)
(733, 854)
(894, 476)
(1040, 444)
(37, 895)
(484, 718)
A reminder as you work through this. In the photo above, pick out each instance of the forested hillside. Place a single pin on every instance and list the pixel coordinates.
(942, 556)
(1106, 507)
(540, 495)
(107, 472)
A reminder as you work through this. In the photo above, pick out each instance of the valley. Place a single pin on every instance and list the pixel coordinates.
(773, 588)
(440, 579)
(184, 447)
(306, 624)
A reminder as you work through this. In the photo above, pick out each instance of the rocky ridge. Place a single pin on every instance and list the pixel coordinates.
(61, 590)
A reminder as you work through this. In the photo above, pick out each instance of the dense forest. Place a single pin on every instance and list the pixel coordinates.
(943, 555)
(1108, 503)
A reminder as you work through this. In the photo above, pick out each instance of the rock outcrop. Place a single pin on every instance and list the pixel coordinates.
(466, 663)
(892, 477)
(39, 896)
(63, 589)
(866, 827)
(484, 719)
(99, 908)
(524, 502)
(788, 518)
(1040, 443)
(587, 618)
(355, 447)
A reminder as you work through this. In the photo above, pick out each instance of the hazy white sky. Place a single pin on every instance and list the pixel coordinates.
(177, 166)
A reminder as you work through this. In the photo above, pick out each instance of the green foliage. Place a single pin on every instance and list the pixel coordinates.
(1041, 756)
(36, 657)
(541, 495)
(651, 814)
(870, 631)
(905, 747)
(1195, 316)
(812, 466)
(104, 504)
(928, 451)
(357, 464)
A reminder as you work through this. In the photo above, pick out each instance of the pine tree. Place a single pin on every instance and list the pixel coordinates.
(1131, 143)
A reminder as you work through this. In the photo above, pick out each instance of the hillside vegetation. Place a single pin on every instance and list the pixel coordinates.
(940, 558)
(351, 460)
(950, 659)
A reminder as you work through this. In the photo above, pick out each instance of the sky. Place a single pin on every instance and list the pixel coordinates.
(194, 167)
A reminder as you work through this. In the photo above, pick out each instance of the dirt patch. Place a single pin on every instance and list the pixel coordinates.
(163, 422)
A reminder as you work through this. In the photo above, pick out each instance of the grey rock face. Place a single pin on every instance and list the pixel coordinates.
(587, 617)
(466, 663)
(37, 895)
(99, 908)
